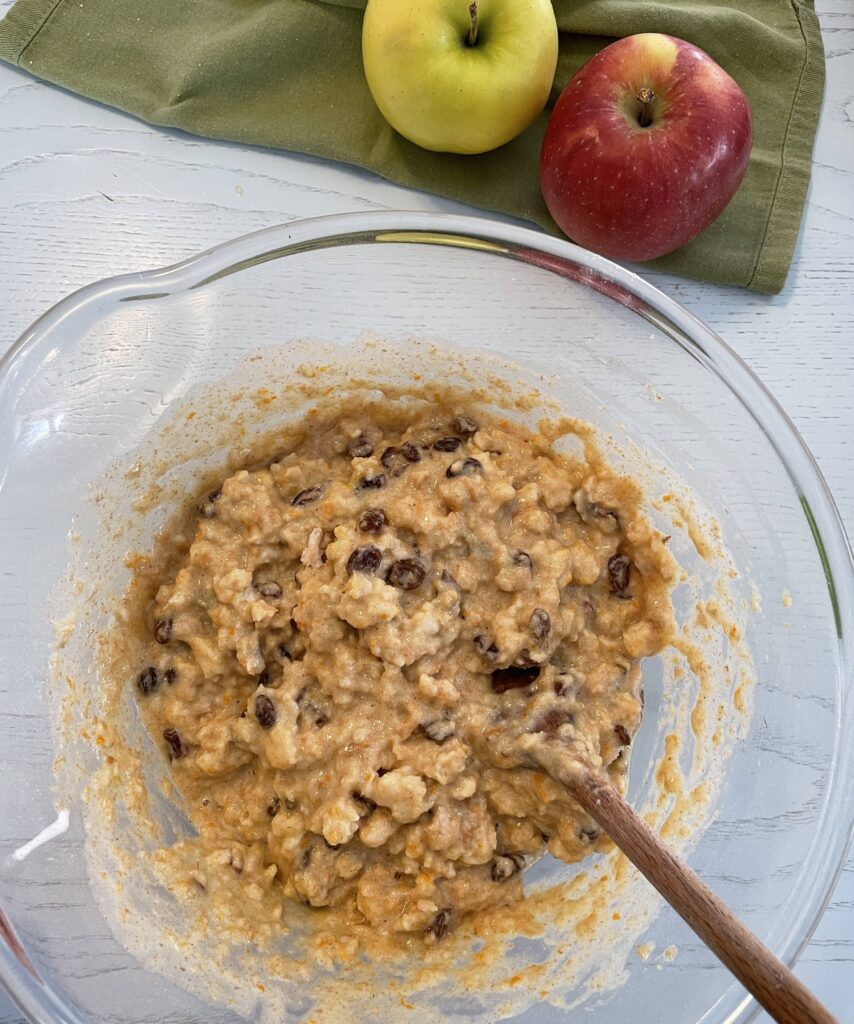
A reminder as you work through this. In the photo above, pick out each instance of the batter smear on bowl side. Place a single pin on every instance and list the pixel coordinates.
(329, 645)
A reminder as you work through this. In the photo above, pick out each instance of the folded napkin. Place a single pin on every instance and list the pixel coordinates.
(288, 74)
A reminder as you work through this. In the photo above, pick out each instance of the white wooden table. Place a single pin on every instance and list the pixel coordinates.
(86, 192)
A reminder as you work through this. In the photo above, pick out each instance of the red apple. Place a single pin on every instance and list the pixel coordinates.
(645, 147)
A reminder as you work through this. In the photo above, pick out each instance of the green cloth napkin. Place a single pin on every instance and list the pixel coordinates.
(288, 74)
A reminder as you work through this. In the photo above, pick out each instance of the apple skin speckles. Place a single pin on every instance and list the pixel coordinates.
(645, 189)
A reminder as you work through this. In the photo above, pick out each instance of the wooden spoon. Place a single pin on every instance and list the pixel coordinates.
(767, 978)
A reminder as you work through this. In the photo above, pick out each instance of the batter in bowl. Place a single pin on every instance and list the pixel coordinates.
(340, 645)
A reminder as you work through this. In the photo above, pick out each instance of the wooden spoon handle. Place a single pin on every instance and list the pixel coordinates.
(767, 978)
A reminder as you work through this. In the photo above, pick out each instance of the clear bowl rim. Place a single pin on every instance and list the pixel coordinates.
(33, 996)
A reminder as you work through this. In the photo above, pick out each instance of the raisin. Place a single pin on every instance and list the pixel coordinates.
(551, 721)
(148, 680)
(306, 497)
(506, 865)
(304, 859)
(465, 426)
(175, 742)
(170, 675)
(623, 735)
(283, 654)
(206, 508)
(486, 647)
(366, 559)
(397, 460)
(389, 458)
(513, 678)
(522, 560)
(541, 623)
(364, 801)
(406, 574)
(360, 448)
(163, 630)
(447, 444)
(619, 570)
(372, 520)
(375, 481)
(438, 730)
(463, 467)
(273, 807)
(265, 711)
(270, 589)
(438, 927)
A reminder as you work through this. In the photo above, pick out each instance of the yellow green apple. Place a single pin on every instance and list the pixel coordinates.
(459, 76)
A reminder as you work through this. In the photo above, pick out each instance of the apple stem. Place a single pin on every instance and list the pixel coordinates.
(645, 98)
(471, 38)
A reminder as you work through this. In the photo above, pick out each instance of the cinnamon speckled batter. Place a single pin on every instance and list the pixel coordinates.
(341, 645)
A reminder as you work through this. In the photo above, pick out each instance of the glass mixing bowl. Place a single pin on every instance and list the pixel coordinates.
(90, 381)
